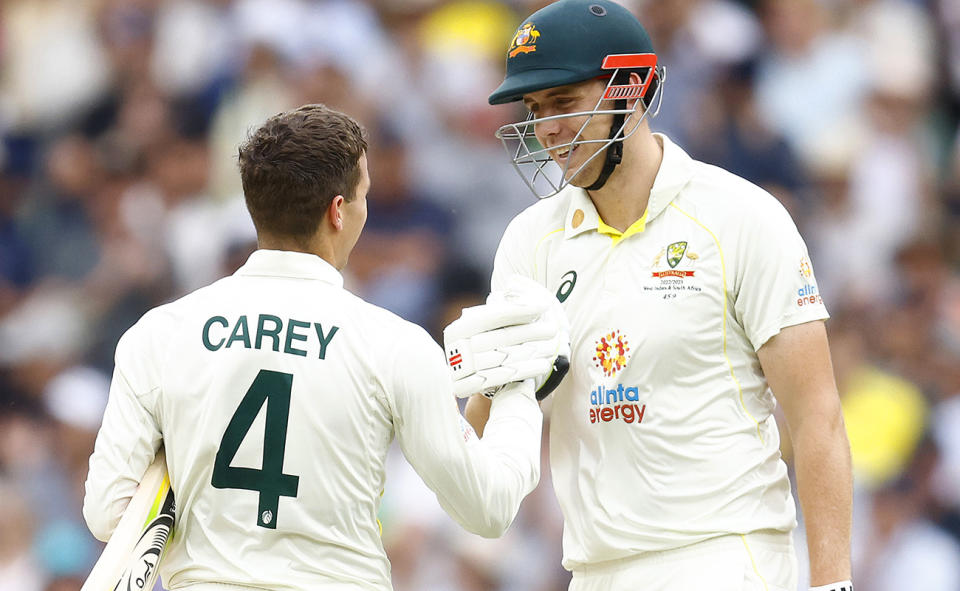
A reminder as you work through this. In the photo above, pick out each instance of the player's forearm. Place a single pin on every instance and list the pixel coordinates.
(483, 490)
(102, 518)
(126, 444)
(513, 438)
(825, 488)
(106, 494)
(477, 413)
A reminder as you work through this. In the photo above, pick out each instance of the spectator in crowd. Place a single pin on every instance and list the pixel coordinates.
(120, 121)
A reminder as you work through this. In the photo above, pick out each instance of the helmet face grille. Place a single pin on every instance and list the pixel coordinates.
(533, 162)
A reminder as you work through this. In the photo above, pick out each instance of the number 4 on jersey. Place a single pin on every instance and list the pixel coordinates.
(272, 388)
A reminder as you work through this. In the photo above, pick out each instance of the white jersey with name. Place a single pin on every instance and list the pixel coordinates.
(662, 434)
(276, 394)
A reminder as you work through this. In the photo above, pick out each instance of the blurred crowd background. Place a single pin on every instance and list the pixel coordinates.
(119, 191)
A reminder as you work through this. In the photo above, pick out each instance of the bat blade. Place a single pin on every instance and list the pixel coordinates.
(130, 559)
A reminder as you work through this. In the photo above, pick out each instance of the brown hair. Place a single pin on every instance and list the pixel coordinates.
(296, 163)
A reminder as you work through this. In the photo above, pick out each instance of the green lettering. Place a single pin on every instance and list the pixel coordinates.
(206, 332)
(325, 339)
(292, 336)
(240, 333)
(274, 333)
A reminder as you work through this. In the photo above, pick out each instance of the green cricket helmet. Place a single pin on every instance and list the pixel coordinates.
(573, 41)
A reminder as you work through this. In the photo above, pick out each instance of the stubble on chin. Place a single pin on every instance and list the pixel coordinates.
(588, 175)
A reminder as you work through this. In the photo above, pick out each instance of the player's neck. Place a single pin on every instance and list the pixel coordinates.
(315, 245)
(623, 199)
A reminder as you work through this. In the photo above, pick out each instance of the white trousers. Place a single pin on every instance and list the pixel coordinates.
(759, 561)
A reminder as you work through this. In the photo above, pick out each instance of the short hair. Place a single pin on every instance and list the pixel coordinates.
(296, 163)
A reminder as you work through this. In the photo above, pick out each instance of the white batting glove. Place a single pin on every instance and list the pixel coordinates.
(839, 586)
(520, 333)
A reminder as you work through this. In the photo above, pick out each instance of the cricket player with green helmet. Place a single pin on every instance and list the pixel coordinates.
(693, 311)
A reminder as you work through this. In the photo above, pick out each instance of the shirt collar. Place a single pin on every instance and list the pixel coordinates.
(675, 172)
(284, 263)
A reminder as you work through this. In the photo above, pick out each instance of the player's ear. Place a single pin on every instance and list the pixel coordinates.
(335, 212)
(636, 79)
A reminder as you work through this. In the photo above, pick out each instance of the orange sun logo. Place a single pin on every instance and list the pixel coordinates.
(612, 353)
(805, 269)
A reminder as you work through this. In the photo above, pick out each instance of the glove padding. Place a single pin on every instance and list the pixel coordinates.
(839, 586)
(520, 333)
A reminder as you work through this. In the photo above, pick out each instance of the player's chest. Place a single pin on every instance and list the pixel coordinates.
(663, 287)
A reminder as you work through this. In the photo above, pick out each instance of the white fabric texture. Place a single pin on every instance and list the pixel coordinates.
(516, 335)
(357, 377)
(662, 434)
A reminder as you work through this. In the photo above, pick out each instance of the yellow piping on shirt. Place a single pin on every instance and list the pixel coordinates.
(754, 562)
(380, 525)
(723, 284)
(537, 249)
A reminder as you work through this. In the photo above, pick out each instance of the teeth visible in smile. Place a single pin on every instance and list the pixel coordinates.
(563, 153)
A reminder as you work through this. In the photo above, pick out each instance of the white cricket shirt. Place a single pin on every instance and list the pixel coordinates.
(662, 433)
(277, 393)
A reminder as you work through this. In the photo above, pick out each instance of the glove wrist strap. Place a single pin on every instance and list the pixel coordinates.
(838, 586)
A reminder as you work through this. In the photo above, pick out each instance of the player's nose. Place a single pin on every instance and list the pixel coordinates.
(547, 129)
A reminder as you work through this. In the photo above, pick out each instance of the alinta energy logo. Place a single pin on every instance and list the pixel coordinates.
(611, 355)
(808, 294)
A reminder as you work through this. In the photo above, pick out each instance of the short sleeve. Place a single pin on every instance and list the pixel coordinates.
(775, 286)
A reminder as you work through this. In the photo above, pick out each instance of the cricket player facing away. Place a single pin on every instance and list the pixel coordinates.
(276, 394)
(690, 297)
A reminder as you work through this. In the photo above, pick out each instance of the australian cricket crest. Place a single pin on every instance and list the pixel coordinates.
(675, 253)
(525, 41)
(673, 270)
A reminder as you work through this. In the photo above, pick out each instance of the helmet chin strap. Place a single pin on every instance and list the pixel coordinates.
(614, 151)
